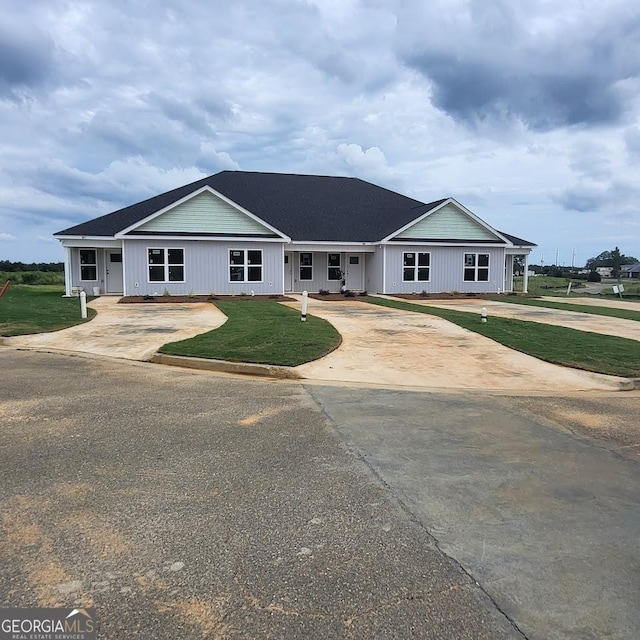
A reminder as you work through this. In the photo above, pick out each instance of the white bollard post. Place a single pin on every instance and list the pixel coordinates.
(569, 288)
(483, 311)
(83, 304)
(305, 297)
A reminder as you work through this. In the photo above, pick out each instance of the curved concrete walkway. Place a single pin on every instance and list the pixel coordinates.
(570, 319)
(132, 331)
(393, 347)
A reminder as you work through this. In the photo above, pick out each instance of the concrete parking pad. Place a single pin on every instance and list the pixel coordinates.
(548, 522)
(133, 331)
(558, 317)
(393, 347)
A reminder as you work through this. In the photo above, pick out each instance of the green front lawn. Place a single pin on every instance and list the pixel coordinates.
(559, 345)
(36, 309)
(261, 331)
(625, 314)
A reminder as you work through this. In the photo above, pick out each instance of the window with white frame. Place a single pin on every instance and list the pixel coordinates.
(88, 265)
(165, 265)
(306, 266)
(245, 265)
(416, 266)
(334, 269)
(476, 267)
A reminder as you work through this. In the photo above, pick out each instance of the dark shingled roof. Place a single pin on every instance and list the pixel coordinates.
(304, 207)
(517, 241)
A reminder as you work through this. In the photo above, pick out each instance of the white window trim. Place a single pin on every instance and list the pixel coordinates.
(338, 267)
(305, 266)
(416, 267)
(165, 265)
(476, 267)
(88, 264)
(245, 265)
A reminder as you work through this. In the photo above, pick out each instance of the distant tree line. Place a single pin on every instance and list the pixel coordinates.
(613, 259)
(13, 267)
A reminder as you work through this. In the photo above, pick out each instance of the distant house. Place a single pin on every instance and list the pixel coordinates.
(630, 270)
(270, 233)
(605, 272)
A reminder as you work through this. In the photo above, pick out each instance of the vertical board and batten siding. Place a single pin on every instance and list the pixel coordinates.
(374, 269)
(206, 268)
(448, 222)
(447, 270)
(205, 213)
(320, 273)
(88, 285)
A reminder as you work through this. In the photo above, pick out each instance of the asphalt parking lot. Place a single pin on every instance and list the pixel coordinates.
(185, 504)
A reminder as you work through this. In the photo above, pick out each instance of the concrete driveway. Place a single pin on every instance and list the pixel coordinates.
(558, 317)
(132, 331)
(380, 346)
(597, 302)
(400, 348)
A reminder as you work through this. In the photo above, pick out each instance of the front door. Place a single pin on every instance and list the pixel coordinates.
(288, 271)
(354, 272)
(114, 272)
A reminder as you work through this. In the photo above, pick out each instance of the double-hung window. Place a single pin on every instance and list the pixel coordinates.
(306, 266)
(165, 265)
(416, 266)
(334, 270)
(476, 267)
(88, 265)
(245, 265)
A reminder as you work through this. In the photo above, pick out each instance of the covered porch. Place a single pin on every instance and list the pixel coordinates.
(93, 266)
(513, 258)
(329, 268)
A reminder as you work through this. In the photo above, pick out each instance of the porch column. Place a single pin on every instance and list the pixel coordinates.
(67, 272)
(525, 277)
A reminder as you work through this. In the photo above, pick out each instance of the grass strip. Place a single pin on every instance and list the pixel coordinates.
(28, 309)
(625, 314)
(263, 332)
(568, 347)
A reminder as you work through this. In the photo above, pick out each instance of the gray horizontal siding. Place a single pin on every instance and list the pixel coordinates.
(206, 268)
(447, 270)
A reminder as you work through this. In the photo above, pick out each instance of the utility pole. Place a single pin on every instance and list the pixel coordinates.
(556, 263)
(573, 258)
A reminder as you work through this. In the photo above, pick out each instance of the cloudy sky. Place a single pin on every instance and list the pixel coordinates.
(526, 111)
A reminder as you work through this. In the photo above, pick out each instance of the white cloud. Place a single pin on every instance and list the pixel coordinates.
(7, 237)
(107, 103)
(371, 160)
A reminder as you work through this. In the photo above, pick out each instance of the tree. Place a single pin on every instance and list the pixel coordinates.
(613, 259)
